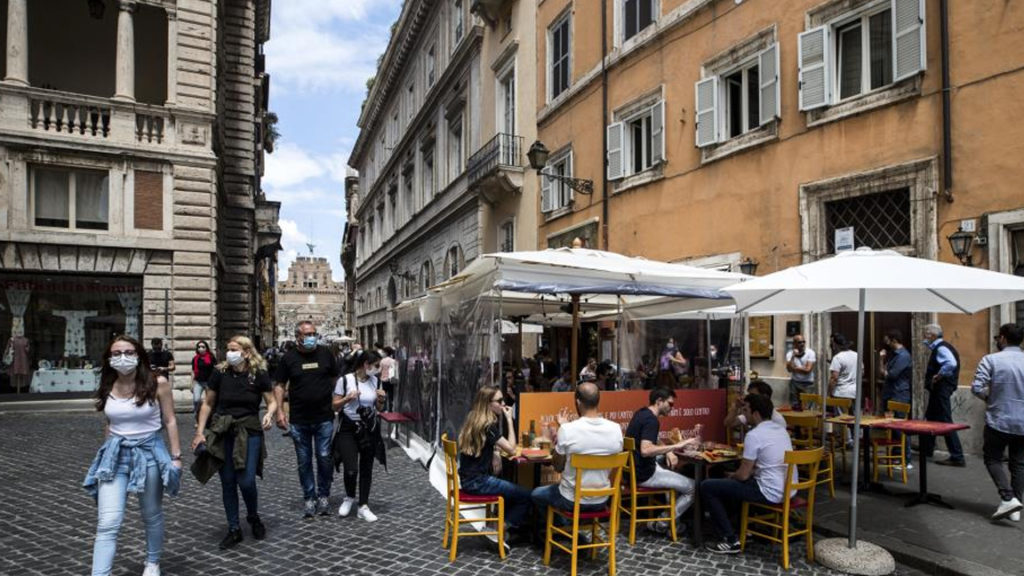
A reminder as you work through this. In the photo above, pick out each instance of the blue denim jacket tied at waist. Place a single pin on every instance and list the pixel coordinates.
(143, 450)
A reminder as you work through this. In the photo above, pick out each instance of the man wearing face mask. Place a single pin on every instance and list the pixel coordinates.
(800, 364)
(309, 371)
(940, 380)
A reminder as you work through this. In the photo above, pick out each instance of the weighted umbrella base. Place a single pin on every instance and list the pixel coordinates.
(865, 559)
(928, 499)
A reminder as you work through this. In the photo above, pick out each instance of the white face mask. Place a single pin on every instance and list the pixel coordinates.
(124, 364)
(373, 371)
(234, 357)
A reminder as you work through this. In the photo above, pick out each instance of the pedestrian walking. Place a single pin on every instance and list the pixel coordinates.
(202, 367)
(161, 361)
(940, 380)
(134, 457)
(309, 371)
(230, 430)
(359, 397)
(389, 376)
(999, 381)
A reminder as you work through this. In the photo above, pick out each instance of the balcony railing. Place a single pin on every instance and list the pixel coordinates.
(502, 151)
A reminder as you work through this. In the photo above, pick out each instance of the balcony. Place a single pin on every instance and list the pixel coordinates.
(497, 167)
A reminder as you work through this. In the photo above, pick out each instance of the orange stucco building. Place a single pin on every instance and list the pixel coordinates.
(721, 130)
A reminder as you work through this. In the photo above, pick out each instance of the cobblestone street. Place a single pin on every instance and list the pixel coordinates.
(47, 522)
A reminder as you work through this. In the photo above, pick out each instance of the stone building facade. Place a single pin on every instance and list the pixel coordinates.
(130, 156)
(310, 293)
(441, 153)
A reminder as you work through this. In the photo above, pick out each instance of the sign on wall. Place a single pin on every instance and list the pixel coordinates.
(844, 239)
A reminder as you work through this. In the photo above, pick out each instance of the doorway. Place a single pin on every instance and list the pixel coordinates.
(877, 324)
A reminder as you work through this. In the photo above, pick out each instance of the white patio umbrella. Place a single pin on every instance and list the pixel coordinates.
(876, 281)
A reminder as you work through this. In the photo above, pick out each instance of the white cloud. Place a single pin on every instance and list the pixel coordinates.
(327, 44)
(293, 243)
(290, 165)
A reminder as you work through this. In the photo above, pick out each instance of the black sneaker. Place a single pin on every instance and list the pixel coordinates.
(951, 462)
(323, 506)
(259, 531)
(232, 539)
(723, 547)
(309, 509)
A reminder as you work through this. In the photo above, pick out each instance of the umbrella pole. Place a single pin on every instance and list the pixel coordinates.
(856, 420)
(574, 343)
(707, 336)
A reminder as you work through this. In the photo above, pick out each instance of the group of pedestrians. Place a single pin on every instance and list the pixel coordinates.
(136, 400)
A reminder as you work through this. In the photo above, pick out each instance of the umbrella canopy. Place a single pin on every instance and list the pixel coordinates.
(891, 283)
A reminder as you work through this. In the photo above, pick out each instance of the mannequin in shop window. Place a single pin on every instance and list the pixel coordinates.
(17, 352)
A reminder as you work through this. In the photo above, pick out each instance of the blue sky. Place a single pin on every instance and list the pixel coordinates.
(319, 56)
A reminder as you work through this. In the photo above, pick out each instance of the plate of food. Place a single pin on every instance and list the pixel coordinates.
(536, 453)
(716, 454)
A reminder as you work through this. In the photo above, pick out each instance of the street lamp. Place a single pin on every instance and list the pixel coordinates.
(749, 267)
(538, 156)
(961, 243)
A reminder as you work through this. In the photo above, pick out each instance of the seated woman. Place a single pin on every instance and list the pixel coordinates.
(478, 462)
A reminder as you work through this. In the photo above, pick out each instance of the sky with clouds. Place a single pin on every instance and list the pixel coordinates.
(319, 56)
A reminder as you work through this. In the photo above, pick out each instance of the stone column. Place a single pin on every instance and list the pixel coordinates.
(172, 57)
(17, 42)
(125, 84)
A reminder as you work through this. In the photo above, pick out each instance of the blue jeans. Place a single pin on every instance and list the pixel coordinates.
(550, 496)
(231, 480)
(715, 493)
(517, 498)
(197, 395)
(110, 504)
(308, 437)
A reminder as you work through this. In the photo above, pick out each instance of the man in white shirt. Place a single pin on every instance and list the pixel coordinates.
(588, 434)
(800, 364)
(842, 382)
(736, 418)
(761, 477)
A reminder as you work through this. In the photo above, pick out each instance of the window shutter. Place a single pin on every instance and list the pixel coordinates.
(908, 38)
(658, 133)
(614, 159)
(546, 199)
(814, 68)
(707, 111)
(768, 72)
(570, 172)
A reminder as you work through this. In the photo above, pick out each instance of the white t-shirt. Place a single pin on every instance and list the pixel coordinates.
(367, 394)
(767, 445)
(131, 421)
(802, 362)
(587, 436)
(776, 417)
(845, 363)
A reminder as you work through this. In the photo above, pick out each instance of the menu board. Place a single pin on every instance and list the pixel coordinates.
(762, 337)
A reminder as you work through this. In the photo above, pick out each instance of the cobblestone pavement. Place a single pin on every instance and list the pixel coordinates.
(47, 522)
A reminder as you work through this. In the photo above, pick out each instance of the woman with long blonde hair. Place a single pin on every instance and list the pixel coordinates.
(480, 434)
(234, 440)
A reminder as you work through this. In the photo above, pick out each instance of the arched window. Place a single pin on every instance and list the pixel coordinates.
(453, 261)
(426, 276)
(392, 292)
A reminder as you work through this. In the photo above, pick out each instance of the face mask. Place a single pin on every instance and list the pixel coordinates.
(309, 342)
(124, 364)
(373, 371)
(926, 342)
(234, 357)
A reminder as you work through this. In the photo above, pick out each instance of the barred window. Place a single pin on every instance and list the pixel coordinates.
(880, 220)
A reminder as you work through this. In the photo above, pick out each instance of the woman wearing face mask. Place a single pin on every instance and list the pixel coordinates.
(134, 457)
(202, 367)
(234, 440)
(359, 396)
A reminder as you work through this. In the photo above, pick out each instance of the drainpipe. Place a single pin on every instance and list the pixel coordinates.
(947, 128)
(604, 125)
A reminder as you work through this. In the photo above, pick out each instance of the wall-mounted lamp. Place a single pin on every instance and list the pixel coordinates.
(749, 267)
(962, 243)
(538, 156)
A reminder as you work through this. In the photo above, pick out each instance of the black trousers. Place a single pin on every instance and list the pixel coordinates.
(997, 446)
(940, 409)
(358, 462)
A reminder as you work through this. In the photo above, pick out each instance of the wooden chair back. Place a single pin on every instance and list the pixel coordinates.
(805, 430)
(613, 463)
(894, 406)
(810, 399)
(451, 467)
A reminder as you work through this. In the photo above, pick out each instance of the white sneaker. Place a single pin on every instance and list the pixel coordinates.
(365, 514)
(1015, 517)
(1006, 508)
(346, 506)
(151, 569)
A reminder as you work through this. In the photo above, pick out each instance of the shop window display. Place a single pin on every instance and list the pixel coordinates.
(56, 327)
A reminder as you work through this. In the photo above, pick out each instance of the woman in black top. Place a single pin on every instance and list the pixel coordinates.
(202, 367)
(235, 437)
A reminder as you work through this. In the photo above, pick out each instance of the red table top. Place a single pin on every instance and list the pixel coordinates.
(397, 417)
(922, 427)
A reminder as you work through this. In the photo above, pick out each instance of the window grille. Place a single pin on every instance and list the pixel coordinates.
(880, 220)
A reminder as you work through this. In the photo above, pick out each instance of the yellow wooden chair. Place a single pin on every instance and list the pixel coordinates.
(780, 518)
(884, 453)
(837, 437)
(810, 401)
(581, 462)
(459, 501)
(631, 493)
(809, 437)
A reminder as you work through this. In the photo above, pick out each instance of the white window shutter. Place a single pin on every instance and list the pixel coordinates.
(658, 132)
(768, 72)
(569, 172)
(547, 201)
(614, 159)
(815, 78)
(909, 51)
(707, 111)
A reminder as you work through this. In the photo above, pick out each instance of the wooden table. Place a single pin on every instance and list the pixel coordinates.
(787, 414)
(519, 460)
(700, 461)
(929, 428)
(867, 421)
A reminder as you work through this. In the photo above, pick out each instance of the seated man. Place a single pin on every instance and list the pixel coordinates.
(735, 417)
(588, 434)
(563, 382)
(644, 429)
(761, 477)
